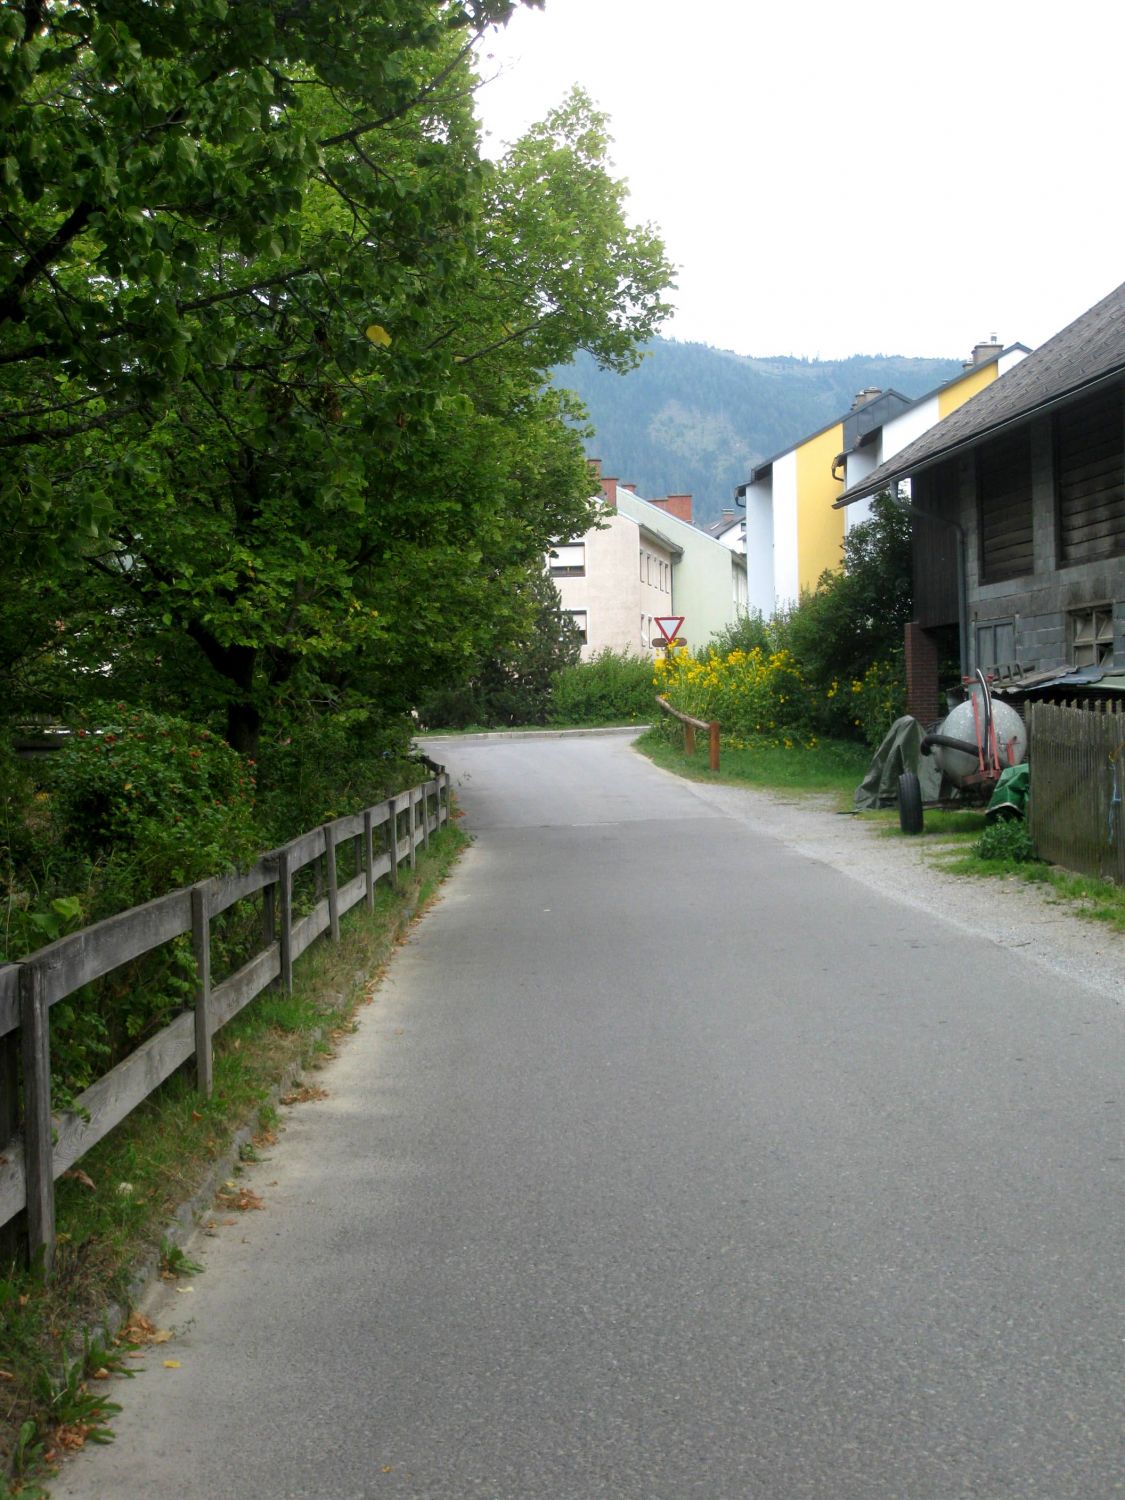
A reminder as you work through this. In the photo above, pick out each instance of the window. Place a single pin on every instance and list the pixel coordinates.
(644, 632)
(642, 556)
(1091, 636)
(577, 618)
(996, 644)
(568, 560)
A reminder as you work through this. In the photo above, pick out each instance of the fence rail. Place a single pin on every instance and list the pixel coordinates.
(690, 726)
(1075, 814)
(38, 1146)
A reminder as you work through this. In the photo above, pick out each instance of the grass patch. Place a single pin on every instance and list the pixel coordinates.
(832, 767)
(113, 1214)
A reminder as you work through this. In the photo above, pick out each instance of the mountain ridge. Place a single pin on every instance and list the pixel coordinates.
(692, 419)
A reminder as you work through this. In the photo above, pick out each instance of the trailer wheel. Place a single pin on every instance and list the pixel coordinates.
(909, 803)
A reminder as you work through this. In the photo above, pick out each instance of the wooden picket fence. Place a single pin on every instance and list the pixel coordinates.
(37, 1146)
(1077, 756)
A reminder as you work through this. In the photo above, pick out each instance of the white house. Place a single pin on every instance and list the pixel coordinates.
(646, 561)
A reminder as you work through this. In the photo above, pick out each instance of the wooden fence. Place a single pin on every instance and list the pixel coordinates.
(1077, 757)
(690, 726)
(36, 1146)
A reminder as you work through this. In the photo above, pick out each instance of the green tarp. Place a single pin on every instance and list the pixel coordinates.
(899, 752)
(1009, 800)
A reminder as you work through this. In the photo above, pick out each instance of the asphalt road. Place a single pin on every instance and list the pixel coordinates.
(668, 1163)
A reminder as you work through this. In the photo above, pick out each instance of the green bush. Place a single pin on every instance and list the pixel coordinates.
(1006, 839)
(151, 803)
(612, 687)
(329, 766)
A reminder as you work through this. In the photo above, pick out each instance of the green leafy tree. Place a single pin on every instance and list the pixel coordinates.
(857, 614)
(273, 340)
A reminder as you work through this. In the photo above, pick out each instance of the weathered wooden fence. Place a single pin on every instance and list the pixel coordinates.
(690, 726)
(1077, 758)
(36, 1146)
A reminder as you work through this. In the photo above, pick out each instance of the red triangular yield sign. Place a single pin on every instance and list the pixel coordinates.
(669, 626)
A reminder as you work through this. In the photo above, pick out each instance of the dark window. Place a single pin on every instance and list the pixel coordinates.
(1090, 478)
(1004, 500)
(577, 618)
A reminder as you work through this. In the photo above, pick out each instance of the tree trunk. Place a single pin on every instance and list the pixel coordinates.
(244, 728)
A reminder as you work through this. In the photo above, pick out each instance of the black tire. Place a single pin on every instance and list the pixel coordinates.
(909, 803)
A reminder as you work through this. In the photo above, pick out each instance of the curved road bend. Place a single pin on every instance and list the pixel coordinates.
(668, 1163)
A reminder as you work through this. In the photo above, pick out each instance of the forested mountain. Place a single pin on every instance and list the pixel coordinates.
(692, 419)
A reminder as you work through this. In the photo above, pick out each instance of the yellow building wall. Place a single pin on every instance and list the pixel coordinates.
(957, 394)
(820, 529)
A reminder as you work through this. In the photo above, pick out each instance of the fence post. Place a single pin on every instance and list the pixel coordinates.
(714, 728)
(368, 860)
(412, 824)
(12, 1233)
(689, 739)
(392, 845)
(426, 813)
(36, 1035)
(285, 894)
(201, 944)
(333, 891)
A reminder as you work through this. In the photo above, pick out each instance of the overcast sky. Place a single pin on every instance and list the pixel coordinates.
(883, 178)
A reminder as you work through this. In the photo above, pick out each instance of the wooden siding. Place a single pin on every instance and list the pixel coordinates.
(1004, 507)
(1090, 478)
(1077, 757)
(935, 547)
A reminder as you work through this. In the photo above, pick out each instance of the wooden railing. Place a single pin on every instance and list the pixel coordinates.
(40, 1147)
(690, 726)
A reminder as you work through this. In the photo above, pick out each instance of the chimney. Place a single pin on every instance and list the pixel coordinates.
(728, 516)
(868, 394)
(609, 490)
(983, 354)
(676, 505)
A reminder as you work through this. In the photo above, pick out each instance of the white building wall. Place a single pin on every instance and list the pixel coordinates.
(703, 588)
(759, 546)
(610, 591)
(786, 569)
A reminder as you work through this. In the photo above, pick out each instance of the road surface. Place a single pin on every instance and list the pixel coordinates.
(668, 1163)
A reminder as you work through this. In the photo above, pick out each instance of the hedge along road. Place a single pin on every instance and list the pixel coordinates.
(669, 1162)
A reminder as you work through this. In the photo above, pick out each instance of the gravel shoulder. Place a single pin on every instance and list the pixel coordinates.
(1008, 911)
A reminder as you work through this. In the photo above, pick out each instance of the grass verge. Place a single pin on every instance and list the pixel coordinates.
(116, 1212)
(832, 767)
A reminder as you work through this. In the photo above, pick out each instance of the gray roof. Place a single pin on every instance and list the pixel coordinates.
(1087, 352)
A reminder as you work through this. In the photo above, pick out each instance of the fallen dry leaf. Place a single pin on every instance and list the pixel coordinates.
(161, 1336)
(77, 1175)
(304, 1095)
(266, 1138)
(100, 1374)
(171, 1364)
(6, 1375)
(242, 1199)
(73, 1435)
(137, 1329)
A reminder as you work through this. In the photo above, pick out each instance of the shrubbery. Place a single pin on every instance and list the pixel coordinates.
(612, 687)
